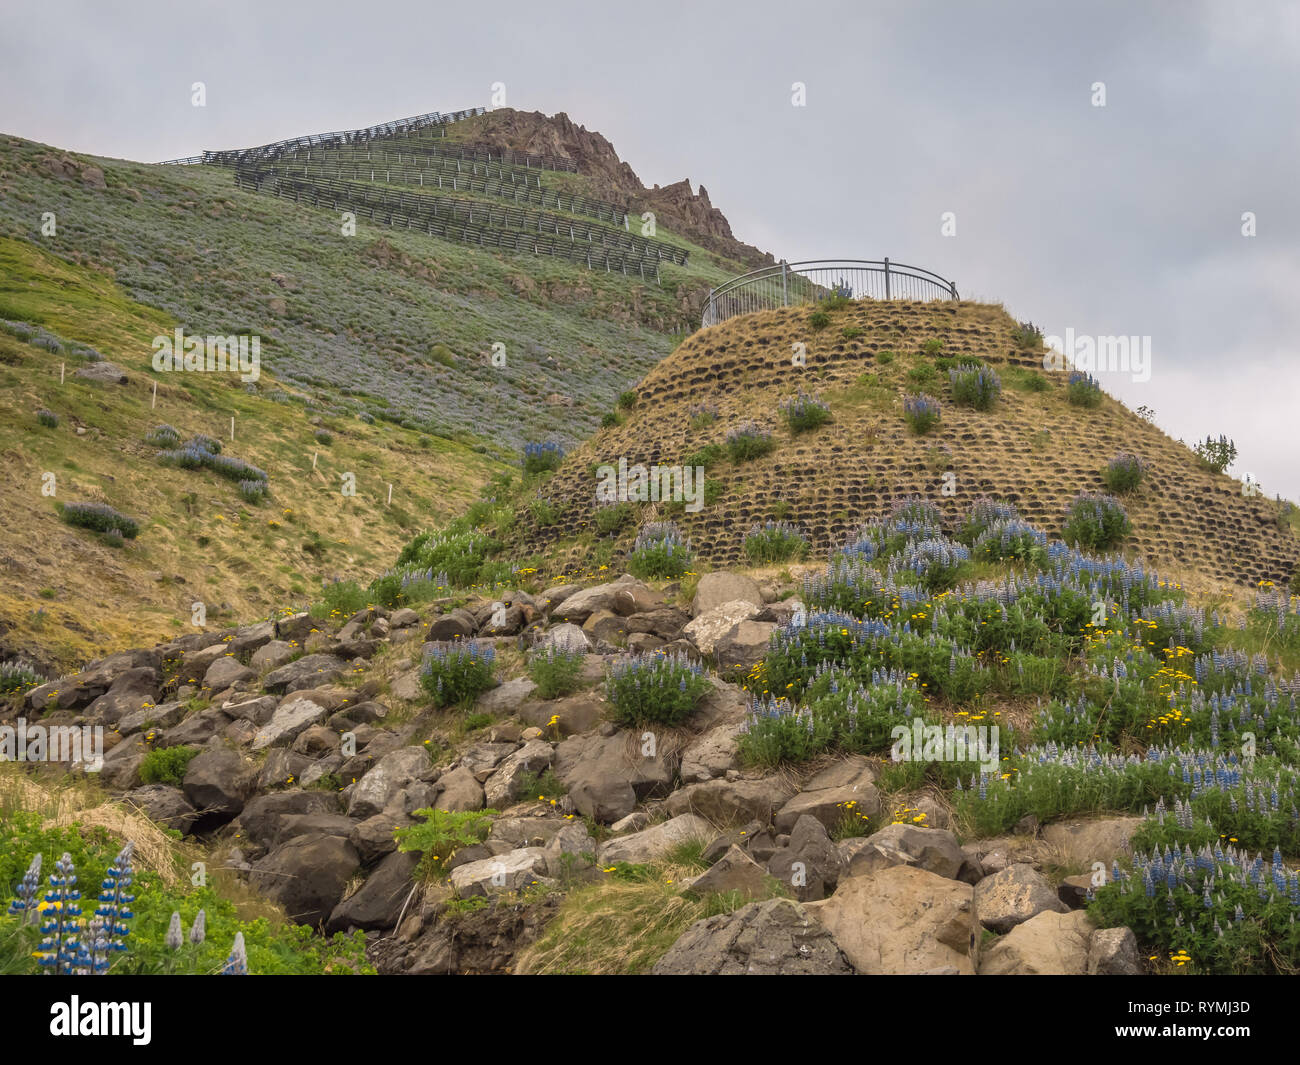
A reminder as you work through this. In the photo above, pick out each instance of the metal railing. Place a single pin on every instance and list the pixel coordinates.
(789, 284)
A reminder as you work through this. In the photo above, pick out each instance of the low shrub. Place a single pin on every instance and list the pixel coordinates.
(921, 413)
(818, 320)
(1027, 336)
(654, 689)
(100, 517)
(555, 670)
(749, 442)
(1124, 472)
(703, 416)
(441, 835)
(611, 517)
(932, 347)
(456, 674)
(167, 765)
(540, 458)
(1095, 520)
(659, 552)
(974, 386)
(1082, 389)
(805, 412)
(1216, 455)
(774, 541)
(163, 436)
(627, 400)
(47, 418)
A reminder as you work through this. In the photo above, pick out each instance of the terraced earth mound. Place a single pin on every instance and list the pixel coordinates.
(1033, 448)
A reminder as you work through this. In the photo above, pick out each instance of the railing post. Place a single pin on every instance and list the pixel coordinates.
(887, 277)
(952, 285)
(785, 292)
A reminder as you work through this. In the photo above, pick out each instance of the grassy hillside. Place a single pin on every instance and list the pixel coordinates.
(1033, 447)
(399, 324)
(69, 595)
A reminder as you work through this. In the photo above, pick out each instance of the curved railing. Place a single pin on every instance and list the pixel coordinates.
(787, 284)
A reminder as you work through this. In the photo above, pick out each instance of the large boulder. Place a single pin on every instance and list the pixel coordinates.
(903, 921)
(226, 672)
(260, 821)
(809, 865)
(512, 871)
(166, 806)
(712, 625)
(714, 589)
(378, 902)
(459, 791)
(734, 873)
(307, 876)
(1113, 952)
(505, 699)
(856, 797)
(1081, 843)
(291, 718)
(743, 645)
(386, 778)
(711, 754)
(655, 841)
(307, 672)
(606, 776)
(132, 691)
(218, 782)
(1013, 896)
(1051, 944)
(572, 715)
(933, 849)
(505, 785)
(731, 802)
(565, 637)
(772, 938)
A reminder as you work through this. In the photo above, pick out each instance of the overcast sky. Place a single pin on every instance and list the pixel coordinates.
(1117, 220)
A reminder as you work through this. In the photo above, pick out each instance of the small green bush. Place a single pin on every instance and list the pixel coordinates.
(441, 835)
(852, 332)
(749, 442)
(1083, 390)
(323, 436)
(804, 412)
(609, 419)
(974, 386)
(1096, 521)
(167, 765)
(555, 670)
(100, 517)
(885, 357)
(818, 320)
(458, 673)
(659, 552)
(540, 458)
(611, 517)
(922, 375)
(922, 413)
(543, 512)
(654, 689)
(627, 400)
(47, 418)
(773, 542)
(1124, 472)
(1027, 337)
(709, 455)
(932, 347)
(1216, 455)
